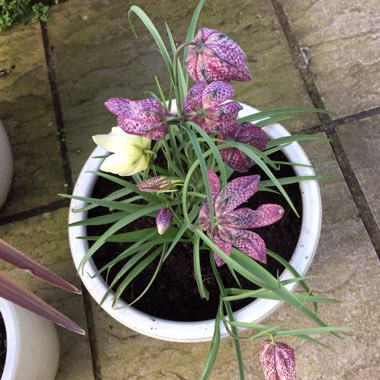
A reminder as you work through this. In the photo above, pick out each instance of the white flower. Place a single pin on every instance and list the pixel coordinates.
(128, 156)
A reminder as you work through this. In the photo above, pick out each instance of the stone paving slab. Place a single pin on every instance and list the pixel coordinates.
(361, 141)
(349, 271)
(44, 238)
(116, 64)
(27, 112)
(342, 38)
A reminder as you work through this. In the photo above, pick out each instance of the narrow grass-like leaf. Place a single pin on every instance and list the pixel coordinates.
(227, 305)
(273, 119)
(281, 111)
(156, 272)
(250, 153)
(293, 271)
(202, 164)
(192, 27)
(129, 185)
(270, 295)
(290, 139)
(126, 267)
(311, 330)
(100, 220)
(155, 34)
(215, 152)
(197, 270)
(288, 180)
(133, 236)
(249, 269)
(214, 349)
(116, 227)
(113, 205)
(161, 93)
(135, 272)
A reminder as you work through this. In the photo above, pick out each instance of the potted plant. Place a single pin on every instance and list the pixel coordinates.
(193, 161)
(6, 165)
(32, 347)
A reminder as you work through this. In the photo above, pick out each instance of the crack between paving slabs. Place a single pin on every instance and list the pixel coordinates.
(328, 126)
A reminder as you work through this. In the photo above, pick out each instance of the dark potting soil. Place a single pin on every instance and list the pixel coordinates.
(174, 294)
(3, 345)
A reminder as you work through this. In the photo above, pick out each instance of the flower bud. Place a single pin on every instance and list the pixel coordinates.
(164, 220)
(154, 184)
(277, 361)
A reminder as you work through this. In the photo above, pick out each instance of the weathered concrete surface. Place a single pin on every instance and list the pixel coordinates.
(44, 238)
(361, 141)
(342, 38)
(116, 64)
(349, 271)
(27, 112)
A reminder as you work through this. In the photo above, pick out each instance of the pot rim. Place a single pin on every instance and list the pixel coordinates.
(200, 330)
(32, 344)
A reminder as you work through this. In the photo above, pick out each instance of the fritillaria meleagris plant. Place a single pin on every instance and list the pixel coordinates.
(202, 143)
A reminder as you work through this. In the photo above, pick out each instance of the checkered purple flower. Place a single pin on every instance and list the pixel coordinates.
(145, 118)
(216, 57)
(231, 224)
(246, 133)
(208, 105)
(277, 361)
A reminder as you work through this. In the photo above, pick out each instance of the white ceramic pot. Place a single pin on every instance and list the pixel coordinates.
(202, 330)
(6, 165)
(32, 345)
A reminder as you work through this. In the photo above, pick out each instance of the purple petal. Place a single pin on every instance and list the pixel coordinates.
(236, 159)
(154, 131)
(238, 191)
(277, 361)
(216, 93)
(252, 245)
(193, 100)
(223, 245)
(214, 182)
(148, 110)
(205, 33)
(164, 220)
(243, 218)
(216, 57)
(252, 135)
(222, 116)
(246, 133)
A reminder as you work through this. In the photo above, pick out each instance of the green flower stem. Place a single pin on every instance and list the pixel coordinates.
(171, 164)
(177, 62)
(230, 314)
(174, 149)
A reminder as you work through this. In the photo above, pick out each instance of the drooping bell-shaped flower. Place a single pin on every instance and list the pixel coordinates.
(277, 361)
(164, 220)
(128, 156)
(208, 105)
(231, 224)
(147, 118)
(246, 133)
(154, 184)
(215, 57)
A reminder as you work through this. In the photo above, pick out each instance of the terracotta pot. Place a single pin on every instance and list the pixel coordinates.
(202, 330)
(32, 345)
(6, 165)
